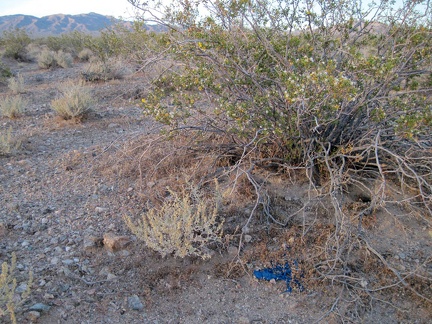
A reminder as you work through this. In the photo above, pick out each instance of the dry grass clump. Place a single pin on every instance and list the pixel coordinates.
(184, 225)
(47, 59)
(8, 284)
(64, 59)
(16, 84)
(85, 55)
(75, 102)
(12, 107)
(110, 69)
(8, 144)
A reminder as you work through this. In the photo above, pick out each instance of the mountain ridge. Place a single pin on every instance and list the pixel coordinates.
(57, 24)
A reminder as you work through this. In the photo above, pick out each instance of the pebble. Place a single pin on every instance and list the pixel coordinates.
(68, 262)
(247, 238)
(39, 307)
(135, 303)
(101, 210)
(21, 288)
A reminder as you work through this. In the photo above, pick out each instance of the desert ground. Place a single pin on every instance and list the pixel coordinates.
(65, 190)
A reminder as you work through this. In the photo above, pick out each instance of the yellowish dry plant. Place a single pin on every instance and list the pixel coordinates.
(16, 84)
(8, 144)
(12, 107)
(75, 102)
(8, 284)
(184, 225)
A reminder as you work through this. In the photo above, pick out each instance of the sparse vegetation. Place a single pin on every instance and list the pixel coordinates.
(8, 144)
(85, 54)
(75, 101)
(110, 69)
(184, 225)
(47, 59)
(64, 59)
(8, 284)
(5, 72)
(312, 86)
(15, 44)
(16, 84)
(12, 106)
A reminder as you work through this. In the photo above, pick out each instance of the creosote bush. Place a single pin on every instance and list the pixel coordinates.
(12, 106)
(8, 285)
(15, 42)
(337, 89)
(183, 226)
(75, 100)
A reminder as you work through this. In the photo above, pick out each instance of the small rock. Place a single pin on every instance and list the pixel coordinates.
(33, 316)
(402, 255)
(111, 276)
(114, 243)
(247, 238)
(21, 288)
(67, 262)
(113, 125)
(135, 303)
(54, 261)
(101, 210)
(25, 243)
(39, 307)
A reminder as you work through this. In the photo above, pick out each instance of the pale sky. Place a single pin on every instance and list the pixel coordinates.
(41, 8)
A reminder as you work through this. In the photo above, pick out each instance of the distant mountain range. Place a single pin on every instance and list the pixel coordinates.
(91, 23)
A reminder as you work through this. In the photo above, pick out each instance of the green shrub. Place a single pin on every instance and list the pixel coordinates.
(75, 101)
(15, 43)
(310, 85)
(183, 226)
(12, 107)
(16, 84)
(47, 59)
(8, 285)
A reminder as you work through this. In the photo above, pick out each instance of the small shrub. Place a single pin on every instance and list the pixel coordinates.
(5, 72)
(12, 107)
(85, 55)
(8, 144)
(8, 285)
(64, 59)
(75, 102)
(183, 226)
(16, 84)
(110, 69)
(15, 43)
(47, 59)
